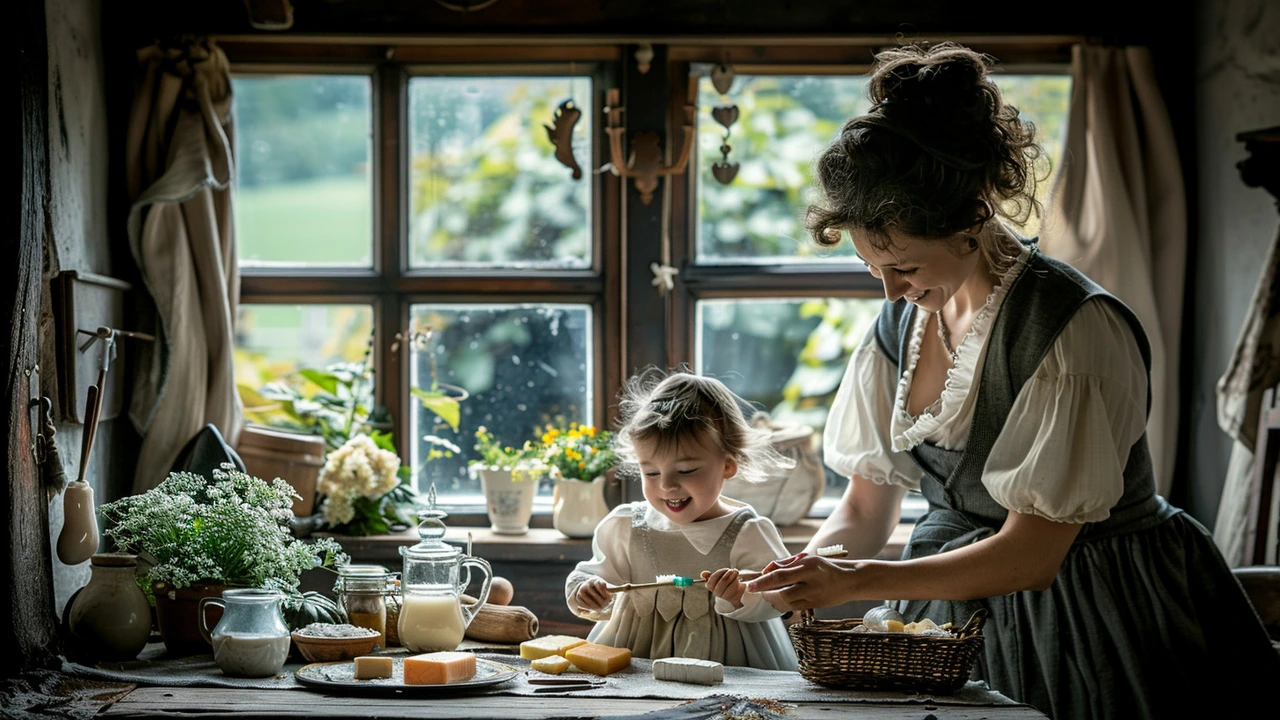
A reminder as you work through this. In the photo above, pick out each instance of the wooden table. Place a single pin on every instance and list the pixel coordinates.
(162, 702)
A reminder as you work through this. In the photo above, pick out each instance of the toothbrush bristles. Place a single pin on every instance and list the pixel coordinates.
(831, 550)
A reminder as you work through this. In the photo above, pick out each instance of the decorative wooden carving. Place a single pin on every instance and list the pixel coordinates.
(270, 14)
(560, 133)
(644, 163)
(1262, 167)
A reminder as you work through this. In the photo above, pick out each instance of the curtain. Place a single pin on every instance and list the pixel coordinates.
(1254, 367)
(1118, 214)
(179, 154)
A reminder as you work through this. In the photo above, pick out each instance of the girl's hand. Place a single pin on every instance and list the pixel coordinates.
(724, 584)
(804, 583)
(592, 594)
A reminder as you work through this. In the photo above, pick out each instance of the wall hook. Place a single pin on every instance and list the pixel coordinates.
(644, 163)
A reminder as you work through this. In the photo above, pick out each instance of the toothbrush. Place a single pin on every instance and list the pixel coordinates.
(675, 580)
(832, 551)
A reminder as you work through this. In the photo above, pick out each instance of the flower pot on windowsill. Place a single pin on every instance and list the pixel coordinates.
(579, 506)
(178, 619)
(508, 497)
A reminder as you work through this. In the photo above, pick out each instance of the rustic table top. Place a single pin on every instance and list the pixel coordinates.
(189, 702)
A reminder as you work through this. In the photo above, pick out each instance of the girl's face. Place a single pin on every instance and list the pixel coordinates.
(684, 482)
(926, 272)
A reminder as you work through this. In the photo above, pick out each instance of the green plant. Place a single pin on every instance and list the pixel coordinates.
(366, 490)
(302, 609)
(578, 452)
(232, 529)
(496, 455)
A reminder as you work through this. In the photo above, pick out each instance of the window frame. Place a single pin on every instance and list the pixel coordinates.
(626, 236)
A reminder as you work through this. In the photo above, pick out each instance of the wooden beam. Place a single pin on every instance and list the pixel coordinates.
(29, 633)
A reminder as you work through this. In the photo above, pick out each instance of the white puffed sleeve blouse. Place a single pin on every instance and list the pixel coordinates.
(1062, 451)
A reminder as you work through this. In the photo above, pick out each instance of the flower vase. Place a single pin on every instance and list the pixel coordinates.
(579, 506)
(177, 616)
(508, 497)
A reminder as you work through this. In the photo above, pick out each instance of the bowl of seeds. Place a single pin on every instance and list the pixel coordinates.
(328, 642)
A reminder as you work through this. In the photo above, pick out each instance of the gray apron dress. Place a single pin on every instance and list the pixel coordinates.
(682, 622)
(1144, 618)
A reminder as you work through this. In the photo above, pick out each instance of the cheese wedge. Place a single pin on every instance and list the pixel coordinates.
(599, 659)
(553, 664)
(439, 668)
(373, 667)
(548, 646)
(688, 670)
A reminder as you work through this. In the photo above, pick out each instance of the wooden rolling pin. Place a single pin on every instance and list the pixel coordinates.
(501, 623)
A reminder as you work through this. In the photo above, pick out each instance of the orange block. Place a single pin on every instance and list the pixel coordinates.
(599, 659)
(439, 668)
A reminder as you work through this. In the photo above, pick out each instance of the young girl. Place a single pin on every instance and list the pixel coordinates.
(685, 434)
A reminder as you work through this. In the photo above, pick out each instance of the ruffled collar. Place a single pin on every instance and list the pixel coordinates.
(908, 430)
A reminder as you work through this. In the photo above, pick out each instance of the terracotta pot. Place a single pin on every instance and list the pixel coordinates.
(296, 458)
(178, 619)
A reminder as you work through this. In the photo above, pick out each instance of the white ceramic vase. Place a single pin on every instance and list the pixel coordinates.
(508, 497)
(579, 506)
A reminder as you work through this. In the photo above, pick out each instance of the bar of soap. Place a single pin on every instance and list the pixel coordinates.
(688, 670)
(895, 626)
(368, 667)
(599, 659)
(553, 664)
(549, 646)
(439, 668)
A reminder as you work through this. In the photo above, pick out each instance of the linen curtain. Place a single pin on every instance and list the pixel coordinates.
(1254, 367)
(1118, 214)
(179, 156)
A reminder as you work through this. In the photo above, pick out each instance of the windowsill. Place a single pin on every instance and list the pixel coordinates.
(548, 545)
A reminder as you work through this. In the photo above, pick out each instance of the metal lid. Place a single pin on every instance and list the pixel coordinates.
(431, 530)
(362, 572)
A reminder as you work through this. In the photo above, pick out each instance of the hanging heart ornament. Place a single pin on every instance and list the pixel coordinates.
(722, 78)
(726, 115)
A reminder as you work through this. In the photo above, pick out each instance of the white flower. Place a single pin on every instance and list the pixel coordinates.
(357, 469)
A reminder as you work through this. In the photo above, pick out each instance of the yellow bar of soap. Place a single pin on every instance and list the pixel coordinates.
(439, 668)
(548, 646)
(368, 667)
(895, 626)
(599, 659)
(553, 664)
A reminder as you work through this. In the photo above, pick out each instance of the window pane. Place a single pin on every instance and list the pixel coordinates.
(521, 365)
(272, 341)
(303, 173)
(787, 354)
(784, 122)
(485, 187)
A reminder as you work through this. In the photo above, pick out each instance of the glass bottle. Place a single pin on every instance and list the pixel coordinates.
(432, 617)
(362, 591)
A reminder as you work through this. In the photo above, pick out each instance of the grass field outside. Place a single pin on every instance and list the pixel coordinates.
(325, 221)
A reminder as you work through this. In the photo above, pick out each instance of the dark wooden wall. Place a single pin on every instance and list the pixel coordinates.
(28, 634)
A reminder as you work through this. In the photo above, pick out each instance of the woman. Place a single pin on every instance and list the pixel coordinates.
(1013, 393)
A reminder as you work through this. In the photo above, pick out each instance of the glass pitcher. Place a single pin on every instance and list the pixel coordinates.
(251, 639)
(432, 616)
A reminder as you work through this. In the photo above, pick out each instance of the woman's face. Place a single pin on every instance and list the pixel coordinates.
(926, 272)
(683, 481)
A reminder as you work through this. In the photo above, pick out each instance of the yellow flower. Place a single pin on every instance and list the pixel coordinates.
(589, 431)
(593, 449)
(581, 465)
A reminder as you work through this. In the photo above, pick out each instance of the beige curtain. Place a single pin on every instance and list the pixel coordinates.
(179, 173)
(1254, 367)
(1118, 213)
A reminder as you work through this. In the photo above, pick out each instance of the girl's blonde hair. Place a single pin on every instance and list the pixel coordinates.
(682, 407)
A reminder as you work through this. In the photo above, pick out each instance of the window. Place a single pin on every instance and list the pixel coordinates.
(424, 190)
(375, 199)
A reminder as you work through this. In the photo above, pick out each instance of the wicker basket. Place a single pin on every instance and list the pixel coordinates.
(831, 654)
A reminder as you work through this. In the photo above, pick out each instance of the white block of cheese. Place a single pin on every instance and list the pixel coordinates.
(688, 670)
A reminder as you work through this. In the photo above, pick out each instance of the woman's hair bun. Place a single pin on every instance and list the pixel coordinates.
(942, 76)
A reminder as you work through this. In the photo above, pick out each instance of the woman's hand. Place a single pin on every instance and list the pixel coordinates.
(805, 582)
(593, 595)
(724, 584)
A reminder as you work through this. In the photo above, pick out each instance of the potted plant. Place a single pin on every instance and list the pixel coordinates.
(579, 456)
(508, 477)
(198, 536)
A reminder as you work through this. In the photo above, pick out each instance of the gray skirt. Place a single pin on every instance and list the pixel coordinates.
(1143, 624)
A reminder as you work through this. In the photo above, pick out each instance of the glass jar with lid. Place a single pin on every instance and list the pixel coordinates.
(362, 590)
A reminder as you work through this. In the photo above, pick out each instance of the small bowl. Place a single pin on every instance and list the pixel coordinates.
(333, 649)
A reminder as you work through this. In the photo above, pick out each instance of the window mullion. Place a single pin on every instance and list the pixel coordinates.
(392, 309)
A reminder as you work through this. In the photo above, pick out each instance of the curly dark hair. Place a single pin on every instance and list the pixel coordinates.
(938, 153)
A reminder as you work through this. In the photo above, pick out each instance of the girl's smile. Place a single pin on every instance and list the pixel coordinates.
(683, 480)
